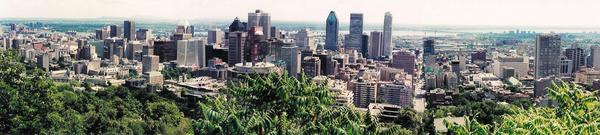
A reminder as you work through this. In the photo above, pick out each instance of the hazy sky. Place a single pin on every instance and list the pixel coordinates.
(437, 12)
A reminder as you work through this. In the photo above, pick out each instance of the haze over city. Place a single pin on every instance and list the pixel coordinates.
(582, 13)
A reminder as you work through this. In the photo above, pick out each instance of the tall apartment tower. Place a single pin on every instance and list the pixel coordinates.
(331, 32)
(149, 63)
(547, 52)
(365, 92)
(262, 19)
(396, 93)
(115, 31)
(387, 35)
(311, 66)
(355, 38)
(376, 48)
(129, 27)
(595, 57)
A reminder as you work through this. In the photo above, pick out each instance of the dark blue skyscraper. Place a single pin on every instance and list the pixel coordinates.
(331, 32)
(428, 47)
(129, 32)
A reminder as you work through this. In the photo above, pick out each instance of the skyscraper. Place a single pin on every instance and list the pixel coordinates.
(115, 31)
(428, 47)
(262, 19)
(547, 52)
(191, 53)
(129, 32)
(291, 56)
(102, 34)
(376, 46)
(396, 93)
(404, 60)
(365, 92)
(149, 63)
(304, 40)
(331, 32)
(215, 36)
(387, 35)
(354, 41)
(236, 37)
(143, 34)
(595, 57)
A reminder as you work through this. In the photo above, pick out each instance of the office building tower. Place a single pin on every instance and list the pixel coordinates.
(376, 48)
(365, 92)
(355, 38)
(262, 19)
(327, 67)
(112, 47)
(43, 61)
(147, 50)
(405, 60)
(150, 63)
(364, 51)
(102, 34)
(129, 30)
(304, 40)
(291, 56)
(331, 32)
(115, 31)
(478, 56)
(547, 52)
(397, 93)
(595, 57)
(387, 35)
(133, 48)
(144, 34)
(577, 55)
(165, 49)
(215, 36)
(311, 66)
(191, 53)
(428, 47)
(237, 25)
(237, 43)
(183, 31)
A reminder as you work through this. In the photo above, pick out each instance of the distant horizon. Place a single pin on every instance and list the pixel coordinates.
(545, 13)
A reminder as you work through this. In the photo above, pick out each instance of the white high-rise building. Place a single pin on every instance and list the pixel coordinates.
(262, 19)
(291, 56)
(191, 53)
(387, 35)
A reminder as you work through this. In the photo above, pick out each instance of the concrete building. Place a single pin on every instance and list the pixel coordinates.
(43, 61)
(376, 48)
(191, 53)
(387, 35)
(150, 63)
(166, 49)
(102, 34)
(547, 50)
(566, 67)
(237, 43)
(405, 60)
(577, 55)
(291, 56)
(587, 75)
(397, 93)
(305, 41)
(112, 46)
(519, 63)
(331, 32)
(144, 34)
(365, 92)
(311, 66)
(542, 85)
(215, 36)
(115, 31)
(595, 57)
(154, 78)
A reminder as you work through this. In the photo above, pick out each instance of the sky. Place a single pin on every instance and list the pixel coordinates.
(578, 13)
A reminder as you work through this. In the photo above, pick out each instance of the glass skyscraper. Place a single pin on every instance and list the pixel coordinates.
(356, 31)
(387, 35)
(331, 32)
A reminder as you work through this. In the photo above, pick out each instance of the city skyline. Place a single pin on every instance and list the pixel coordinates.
(429, 12)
